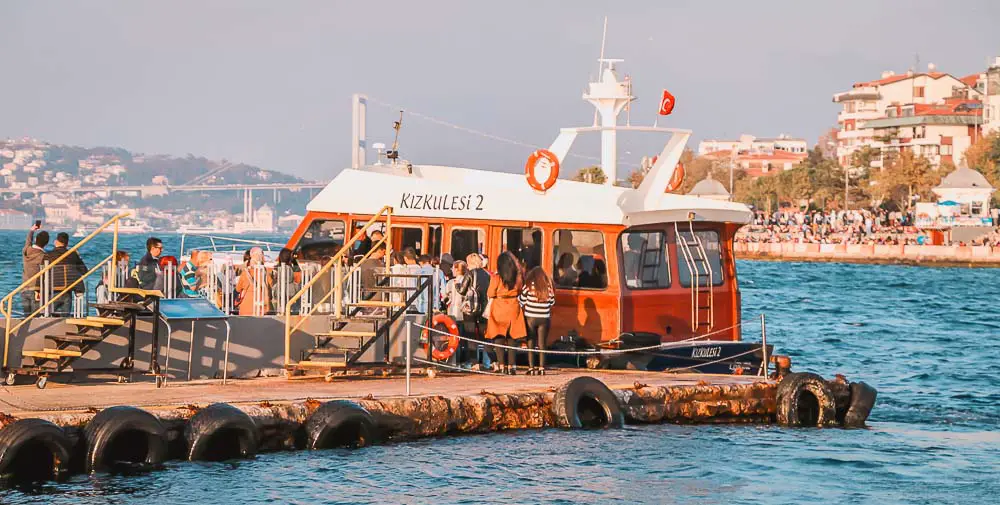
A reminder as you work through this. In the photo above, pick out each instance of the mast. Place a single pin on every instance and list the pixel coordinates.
(608, 96)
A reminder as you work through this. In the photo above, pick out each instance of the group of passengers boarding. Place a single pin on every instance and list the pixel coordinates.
(515, 306)
(507, 307)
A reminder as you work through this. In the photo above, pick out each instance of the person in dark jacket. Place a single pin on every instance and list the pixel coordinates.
(66, 272)
(32, 258)
(148, 271)
(473, 292)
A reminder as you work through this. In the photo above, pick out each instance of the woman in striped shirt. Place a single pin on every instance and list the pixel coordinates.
(537, 298)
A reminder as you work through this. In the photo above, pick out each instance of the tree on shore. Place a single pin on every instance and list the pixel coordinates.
(984, 156)
(904, 176)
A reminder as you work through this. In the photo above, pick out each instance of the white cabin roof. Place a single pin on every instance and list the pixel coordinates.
(463, 193)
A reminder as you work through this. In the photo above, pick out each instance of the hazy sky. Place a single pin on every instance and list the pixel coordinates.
(269, 82)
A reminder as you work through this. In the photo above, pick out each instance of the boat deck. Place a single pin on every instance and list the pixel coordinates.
(27, 400)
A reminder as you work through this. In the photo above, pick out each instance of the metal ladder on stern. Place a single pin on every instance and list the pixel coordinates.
(701, 277)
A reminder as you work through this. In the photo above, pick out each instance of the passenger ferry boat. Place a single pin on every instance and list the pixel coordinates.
(645, 276)
(633, 267)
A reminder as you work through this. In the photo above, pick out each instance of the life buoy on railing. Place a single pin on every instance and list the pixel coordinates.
(453, 340)
(538, 162)
(676, 179)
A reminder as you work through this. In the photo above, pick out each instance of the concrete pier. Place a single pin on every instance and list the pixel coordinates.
(439, 406)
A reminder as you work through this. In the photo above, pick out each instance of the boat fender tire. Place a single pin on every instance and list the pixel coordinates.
(586, 402)
(863, 399)
(221, 432)
(124, 434)
(340, 423)
(804, 399)
(34, 449)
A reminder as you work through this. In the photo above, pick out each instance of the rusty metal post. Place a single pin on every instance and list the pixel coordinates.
(763, 344)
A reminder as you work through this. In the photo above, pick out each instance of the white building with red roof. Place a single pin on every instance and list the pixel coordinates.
(939, 132)
(872, 100)
(757, 156)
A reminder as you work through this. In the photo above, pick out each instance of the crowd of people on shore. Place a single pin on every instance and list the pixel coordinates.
(861, 226)
(509, 306)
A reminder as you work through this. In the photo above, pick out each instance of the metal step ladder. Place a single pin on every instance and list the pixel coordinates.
(701, 275)
(366, 322)
(60, 351)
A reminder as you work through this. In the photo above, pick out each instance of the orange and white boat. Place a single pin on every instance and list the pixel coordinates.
(631, 266)
(644, 275)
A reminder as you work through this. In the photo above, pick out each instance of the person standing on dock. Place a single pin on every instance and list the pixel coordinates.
(32, 257)
(148, 271)
(537, 298)
(68, 271)
(474, 300)
(505, 322)
(254, 286)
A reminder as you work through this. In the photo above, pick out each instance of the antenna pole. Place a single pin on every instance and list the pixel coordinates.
(600, 61)
(396, 125)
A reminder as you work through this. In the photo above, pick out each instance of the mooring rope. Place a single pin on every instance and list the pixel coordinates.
(453, 367)
(662, 345)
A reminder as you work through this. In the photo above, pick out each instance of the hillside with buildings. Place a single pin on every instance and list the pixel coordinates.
(42, 180)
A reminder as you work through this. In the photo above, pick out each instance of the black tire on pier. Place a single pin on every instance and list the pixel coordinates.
(124, 436)
(586, 402)
(804, 399)
(221, 432)
(33, 450)
(340, 423)
(862, 401)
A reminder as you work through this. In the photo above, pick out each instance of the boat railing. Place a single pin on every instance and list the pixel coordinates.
(52, 296)
(336, 263)
(222, 244)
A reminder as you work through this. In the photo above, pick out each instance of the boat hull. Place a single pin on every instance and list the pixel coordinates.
(707, 356)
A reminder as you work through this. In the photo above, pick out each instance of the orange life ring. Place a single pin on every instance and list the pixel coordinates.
(676, 179)
(541, 156)
(453, 341)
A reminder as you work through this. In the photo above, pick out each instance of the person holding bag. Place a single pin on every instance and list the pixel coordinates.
(504, 317)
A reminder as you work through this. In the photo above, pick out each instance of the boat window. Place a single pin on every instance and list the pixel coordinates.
(644, 260)
(579, 260)
(323, 237)
(712, 250)
(403, 237)
(526, 244)
(465, 241)
(434, 241)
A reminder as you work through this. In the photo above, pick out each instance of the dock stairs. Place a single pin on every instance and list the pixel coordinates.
(60, 351)
(366, 323)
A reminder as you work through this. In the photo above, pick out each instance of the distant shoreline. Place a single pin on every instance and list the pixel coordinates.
(910, 255)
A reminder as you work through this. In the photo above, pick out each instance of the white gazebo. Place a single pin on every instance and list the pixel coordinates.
(709, 188)
(967, 189)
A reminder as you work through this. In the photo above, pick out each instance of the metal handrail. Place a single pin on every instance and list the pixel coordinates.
(7, 303)
(711, 276)
(338, 281)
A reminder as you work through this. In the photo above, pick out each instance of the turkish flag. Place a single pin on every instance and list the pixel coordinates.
(666, 103)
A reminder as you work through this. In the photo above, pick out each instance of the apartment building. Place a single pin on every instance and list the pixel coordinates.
(900, 94)
(939, 133)
(756, 156)
(991, 100)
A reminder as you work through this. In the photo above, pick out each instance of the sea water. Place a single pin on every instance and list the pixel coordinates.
(927, 338)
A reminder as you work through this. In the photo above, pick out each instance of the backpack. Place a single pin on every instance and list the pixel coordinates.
(472, 305)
